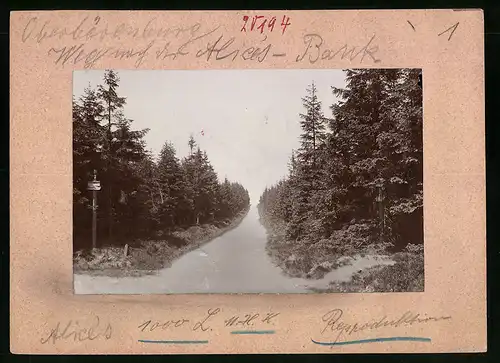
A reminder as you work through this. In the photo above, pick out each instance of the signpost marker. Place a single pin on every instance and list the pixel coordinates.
(94, 186)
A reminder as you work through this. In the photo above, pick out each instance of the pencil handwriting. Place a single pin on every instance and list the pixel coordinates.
(78, 43)
(225, 49)
(203, 324)
(95, 28)
(149, 325)
(78, 331)
(316, 49)
(334, 322)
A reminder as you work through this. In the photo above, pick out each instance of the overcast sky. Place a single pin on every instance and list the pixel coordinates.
(249, 118)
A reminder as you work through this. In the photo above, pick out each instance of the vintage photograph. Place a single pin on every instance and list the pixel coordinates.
(247, 181)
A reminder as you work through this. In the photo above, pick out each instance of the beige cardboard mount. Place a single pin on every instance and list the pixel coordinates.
(46, 317)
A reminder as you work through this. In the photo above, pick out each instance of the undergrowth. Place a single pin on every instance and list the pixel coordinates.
(147, 256)
(406, 275)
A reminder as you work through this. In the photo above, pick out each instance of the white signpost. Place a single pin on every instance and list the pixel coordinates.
(94, 186)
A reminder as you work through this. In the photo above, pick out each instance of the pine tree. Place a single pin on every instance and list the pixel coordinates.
(204, 185)
(191, 144)
(112, 104)
(171, 186)
(209, 199)
(141, 207)
(140, 196)
(149, 193)
(128, 149)
(308, 165)
(225, 209)
(87, 137)
(87, 146)
(374, 134)
(357, 181)
(210, 189)
(313, 135)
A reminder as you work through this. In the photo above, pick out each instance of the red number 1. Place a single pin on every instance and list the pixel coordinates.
(261, 26)
(254, 21)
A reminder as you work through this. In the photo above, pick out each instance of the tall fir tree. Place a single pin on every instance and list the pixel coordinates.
(128, 150)
(140, 195)
(191, 143)
(306, 179)
(313, 127)
(87, 146)
(357, 181)
(113, 104)
(381, 113)
(171, 186)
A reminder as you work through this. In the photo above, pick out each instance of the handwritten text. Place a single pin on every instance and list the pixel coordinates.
(78, 332)
(97, 29)
(261, 23)
(316, 49)
(334, 322)
(70, 44)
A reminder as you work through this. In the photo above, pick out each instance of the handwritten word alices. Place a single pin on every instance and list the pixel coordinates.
(78, 331)
(261, 22)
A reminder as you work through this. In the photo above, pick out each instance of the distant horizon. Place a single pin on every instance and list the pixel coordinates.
(247, 121)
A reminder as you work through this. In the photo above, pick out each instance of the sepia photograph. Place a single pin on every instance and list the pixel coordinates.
(247, 181)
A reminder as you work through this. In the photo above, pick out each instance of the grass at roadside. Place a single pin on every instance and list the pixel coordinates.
(315, 260)
(148, 256)
(407, 275)
(310, 260)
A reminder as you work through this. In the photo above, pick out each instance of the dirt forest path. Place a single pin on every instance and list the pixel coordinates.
(235, 262)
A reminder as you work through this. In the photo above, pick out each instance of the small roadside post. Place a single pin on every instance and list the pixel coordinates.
(94, 186)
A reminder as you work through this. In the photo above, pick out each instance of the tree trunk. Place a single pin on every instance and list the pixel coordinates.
(110, 190)
(161, 193)
(152, 199)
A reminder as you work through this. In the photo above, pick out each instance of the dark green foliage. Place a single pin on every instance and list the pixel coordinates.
(171, 188)
(406, 275)
(141, 197)
(357, 179)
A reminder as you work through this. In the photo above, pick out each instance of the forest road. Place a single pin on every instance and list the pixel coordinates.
(235, 262)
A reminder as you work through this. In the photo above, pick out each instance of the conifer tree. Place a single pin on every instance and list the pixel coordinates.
(357, 178)
(313, 134)
(141, 196)
(87, 146)
(113, 104)
(191, 144)
(308, 166)
(171, 186)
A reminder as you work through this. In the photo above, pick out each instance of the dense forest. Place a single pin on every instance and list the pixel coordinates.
(356, 182)
(142, 195)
